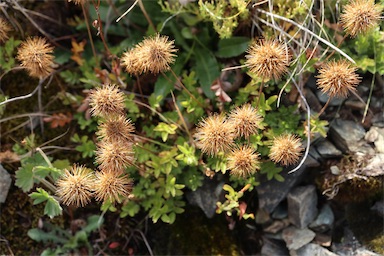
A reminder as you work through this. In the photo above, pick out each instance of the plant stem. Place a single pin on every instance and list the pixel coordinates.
(324, 107)
(184, 88)
(308, 31)
(90, 34)
(308, 128)
(40, 104)
(146, 15)
(127, 11)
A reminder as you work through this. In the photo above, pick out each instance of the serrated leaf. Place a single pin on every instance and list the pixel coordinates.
(130, 209)
(207, 70)
(39, 197)
(41, 171)
(52, 208)
(24, 177)
(232, 47)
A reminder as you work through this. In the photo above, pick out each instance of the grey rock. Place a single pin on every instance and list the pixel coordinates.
(312, 100)
(377, 102)
(374, 166)
(376, 135)
(277, 226)
(345, 134)
(302, 203)
(365, 252)
(272, 192)
(311, 83)
(277, 236)
(323, 239)
(313, 152)
(281, 212)
(206, 196)
(350, 251)
(348, 245)
(327, 150)
(262, 216)
(379, 208)
(362, 148)
(324, 220)
(355, 105)
(5, 183)
(378, 119)
(296, 238)
(323, 98)
(311, 161)
(335, 170)
(273, 247)
(313, 250)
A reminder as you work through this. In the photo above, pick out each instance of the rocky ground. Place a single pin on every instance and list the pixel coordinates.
(332, 205)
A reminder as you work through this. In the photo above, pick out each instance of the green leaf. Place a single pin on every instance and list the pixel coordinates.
(232, 47)
(24, 177)
(40, 236)
(61, 164)
(62, 56)
(165, 218)
(87, 147)
(131, 209)
(42, 171)
(207, 70)
(93, 223)
(271, 170)
(52, 207)
(278, 177)
(165, 130)
(108, 206)
(228, 188)
(187, 154)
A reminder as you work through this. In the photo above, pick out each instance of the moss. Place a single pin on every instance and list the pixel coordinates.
(18, 215)
(366, 225)
(194, 234)
(351, 186)
(377, 244)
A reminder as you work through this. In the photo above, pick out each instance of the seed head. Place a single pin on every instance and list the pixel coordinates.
(112, 186)
(107, 101)
(132, 63)
(337, 78)
(114, 156)
(286, 149)
(4, 30)
(268, 59)
(153, 54)
(76, 186)
(35, 55)
(156, 53)
(246, 121)
(78, 1)
(243, 161)
(116, 129)
(360, 16)
(214, 134)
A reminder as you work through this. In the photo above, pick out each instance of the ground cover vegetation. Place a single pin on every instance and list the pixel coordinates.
(117, 108)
